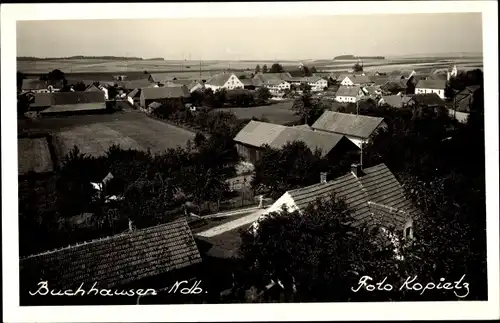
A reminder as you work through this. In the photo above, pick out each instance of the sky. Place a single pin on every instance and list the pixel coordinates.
(308, 37)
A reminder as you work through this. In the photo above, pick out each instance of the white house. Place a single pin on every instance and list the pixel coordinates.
(39, 86)
(227, 81)
(351, 80)
(357, 128)
(431, 86)
(374, 193)
(316, 83)
(349, 94)
(277, 86)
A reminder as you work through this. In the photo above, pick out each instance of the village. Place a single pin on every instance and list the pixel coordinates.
(155, 180)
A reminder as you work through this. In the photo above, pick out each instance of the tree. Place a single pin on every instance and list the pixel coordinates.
(357, 68)
(299, 166)
(313, 70)
(262, 95)
(306, 71)
(56, 75)
(308, 109)
(219, 98)
(257, 69)
(318, 255)
(113, 92)
(80, 86)
(264, 69)
(276, 68)
(23, 103)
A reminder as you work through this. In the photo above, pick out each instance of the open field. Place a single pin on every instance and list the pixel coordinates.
(33, 155)
(185, 69)
(93, 134)
(279, 113)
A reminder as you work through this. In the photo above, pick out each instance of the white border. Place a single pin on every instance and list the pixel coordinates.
(241, 312)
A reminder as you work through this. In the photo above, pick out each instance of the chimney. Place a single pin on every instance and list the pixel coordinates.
(356, 170)
(322, 177)
(130, 225)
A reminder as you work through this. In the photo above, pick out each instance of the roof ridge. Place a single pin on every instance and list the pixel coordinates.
(88, 242)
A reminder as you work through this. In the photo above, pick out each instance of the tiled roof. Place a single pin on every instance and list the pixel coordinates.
(395, 101)
(360, 79)
(33, 84)
(78, 97)
(464, 98)
(378, 185)
(134, 84)
(347, 124)
(431, 84)
(92, 88)
(429, 99)
(164, 92)
(161, 77)
(380, 80)
(134, 93)
(219, 79)
(348, 90)
(117, 260)
(257, 133)
(247, 82)
(313, 139)
(372, 90)
(313, 79)
(154, 105)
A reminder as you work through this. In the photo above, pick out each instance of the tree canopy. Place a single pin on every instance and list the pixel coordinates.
(276, 68)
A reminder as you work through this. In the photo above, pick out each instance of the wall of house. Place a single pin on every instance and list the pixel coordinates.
(460, 116)
(249, 153)
(341, 98)
(346, 81)
(233, 83)
(439, 92)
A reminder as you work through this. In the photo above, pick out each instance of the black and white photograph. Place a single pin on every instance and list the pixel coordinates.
(334, 154)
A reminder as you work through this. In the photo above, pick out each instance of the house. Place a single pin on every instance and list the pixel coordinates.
(356, 80)
(248, 84)
(146, 258)
(135, 84)
(431, 86)
(260, 78)
(403, 74)
(227, 81)
(175, 93)
(161, 78)
(100, 88)
(374, 195)
(427, 99)
(394, 101)
(349, 94)
(192, 85)
(464, 99)
(39, 86)
(358, 128)
(134, 97)
(379, 80)
(276, 86)
(250, 139)
(316, 83)
(75, 102)
(372, 91)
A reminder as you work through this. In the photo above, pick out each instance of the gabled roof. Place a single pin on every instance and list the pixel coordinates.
(160, 77)
(92, 88)
(395, 101)
(347, 124)
(116, 260)
(165, 92)
(378, 188)
(379, 80)
(371, 90)
(78, 97)
(348, 90)
(257, 133)
(33, 84)
(134, 93)
(360, 79)
(431, 84)
(134, 84)
(313, 79)
(219, 79)
(247, 82)
(428, 99)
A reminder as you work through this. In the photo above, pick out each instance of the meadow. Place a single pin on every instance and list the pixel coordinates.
(34, 155)
(94, 134)
(279, 113)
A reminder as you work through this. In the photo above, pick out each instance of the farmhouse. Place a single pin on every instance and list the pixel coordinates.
(349, 94)
(276, 86)
(463, 100)
(192, 85)
(248, 84)
(135, 84)
(316, 83)
(161, 78)
(75, 102)
(250, 140)
(227, 81)
(358, 128)
(431, 86)
(39, 86)
(379, 80)
(402, 74)
(394, 101)
(146, 258)
(356, 80)
(372, 91)
(100, 88)
(175, 94)
(373, 194)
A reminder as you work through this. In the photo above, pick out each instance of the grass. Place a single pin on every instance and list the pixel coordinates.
(93, 134)
(279, 113)
(34, 155)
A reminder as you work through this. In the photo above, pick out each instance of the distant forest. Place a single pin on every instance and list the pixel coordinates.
(29, 58)
(357, 57)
